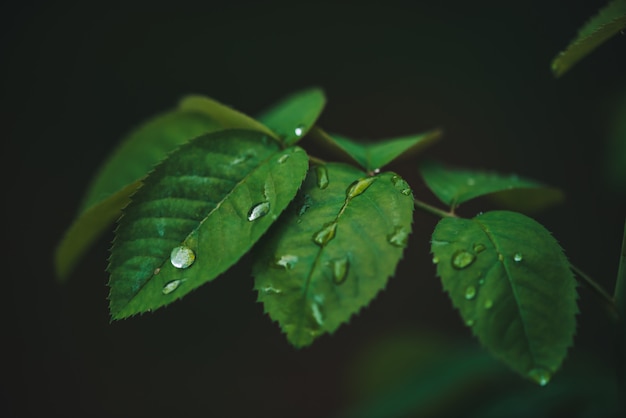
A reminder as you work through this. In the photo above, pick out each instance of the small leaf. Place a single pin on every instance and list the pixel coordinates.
(455, 186)
(609, 21)
(294, 115)
(513, 286)
(198, 212)
(120, 176)
(332, 251)
(373, 156)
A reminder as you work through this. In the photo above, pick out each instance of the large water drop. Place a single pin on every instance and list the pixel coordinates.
(169, 287)
(258, 211)
(462, 259)
(401, 185)
(182, 257)
(359, 187)
(340, 267)
(540, 376)
(324, 235)
(322, 176)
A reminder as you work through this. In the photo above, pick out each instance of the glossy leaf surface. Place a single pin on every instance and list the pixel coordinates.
(608, 22)
(512, 285)
(198, 212)
(454, 186)
(295, 115)
(333, 250)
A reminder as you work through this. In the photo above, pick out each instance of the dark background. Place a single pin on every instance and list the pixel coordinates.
(76, 76)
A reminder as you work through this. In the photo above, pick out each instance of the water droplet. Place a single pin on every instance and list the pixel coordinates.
(399, 237)
(469, 322)
(359, 186)
(286, 261)
(540, 376)
(435, 259)
(324, 235)
(400, 184)
(461, 259)
(299, 131)
(283, 158)
(271, 290)
(479, 248)
(182, 257)
(518, 257)
(471, 181)
(258, 211)
(317, 314)
(500, 257)
(306, 203)
(157, 271)
(169, 287)
(488, 304)
(341, 267)
(481, 282)
(245, 156)
(470, 292)
(322, 176)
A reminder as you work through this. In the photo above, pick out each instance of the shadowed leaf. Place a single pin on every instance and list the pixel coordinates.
(512, 284)
(197, 213)
(333, 250)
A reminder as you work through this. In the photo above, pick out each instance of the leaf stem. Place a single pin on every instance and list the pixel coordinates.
(316, 161)
(609, 302)
(433, 210)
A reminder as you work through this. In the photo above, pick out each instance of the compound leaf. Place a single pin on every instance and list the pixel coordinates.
(609, 21)
(333, 249)
(375, 155)
(197, 213)
(295, 115)
(454, 186)
(513, 286)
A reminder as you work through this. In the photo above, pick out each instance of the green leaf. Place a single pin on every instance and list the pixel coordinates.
(513, 286)
(373, 156)
(198, 212)
(454, 186)
(294, 115)
(136, 155)
(333, 250)
(121, 175)
(609, 21)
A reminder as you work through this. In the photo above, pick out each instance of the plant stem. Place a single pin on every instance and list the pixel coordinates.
(609, 302)
(433, 210)
(316, 161)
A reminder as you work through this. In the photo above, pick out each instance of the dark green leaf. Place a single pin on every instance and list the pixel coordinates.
(609, 21)
(198, 212)
(333, 250)
(455, 186)
(620, 284)
(293, 116)
(120, 176)
(513, 286)
(375, 155)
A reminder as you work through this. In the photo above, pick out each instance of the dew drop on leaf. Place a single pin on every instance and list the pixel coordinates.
(340, 267)
(462, 259)
(270, 290)
(517, 257)
(359, 187)
(488, 304)
(471, 181)
(470, 292)
(324, 235)
(435, 259)
(469, 322)
(286, 261)
(169, 287)
(182, 257)
(322, 176)
(479, 248)
(299, 131)
(283, 158)
(317, 314)
(399, 237)
(258, 211)
(400, 184)
(540, 376)
(500, 257)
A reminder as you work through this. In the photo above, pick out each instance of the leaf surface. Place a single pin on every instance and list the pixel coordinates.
(454, 186)
(608, 22)
(333, 250)
(197, 213)
(375, 155)
(513, 286)
(294, 115)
